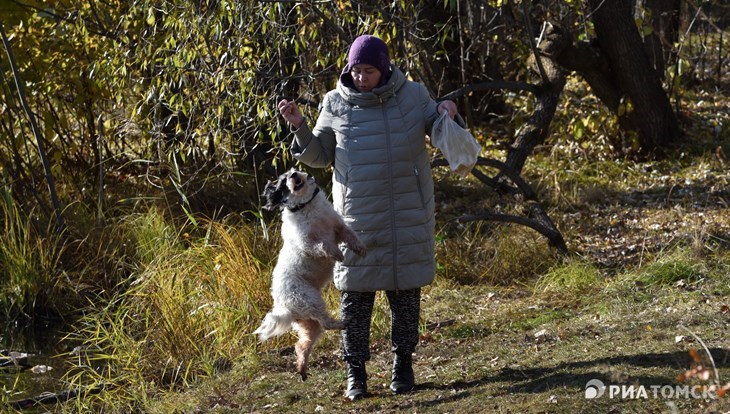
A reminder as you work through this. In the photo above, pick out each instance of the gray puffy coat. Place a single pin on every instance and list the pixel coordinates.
(382, 182)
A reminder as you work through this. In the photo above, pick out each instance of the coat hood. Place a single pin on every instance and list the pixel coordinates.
(378, 95)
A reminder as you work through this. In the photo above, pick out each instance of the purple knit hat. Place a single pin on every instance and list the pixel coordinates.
(370, 50)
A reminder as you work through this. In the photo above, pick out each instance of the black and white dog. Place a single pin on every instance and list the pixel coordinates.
(312, 231)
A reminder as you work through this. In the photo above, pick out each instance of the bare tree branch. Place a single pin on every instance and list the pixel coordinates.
(36, 131)
(554, 237)
(494, 85)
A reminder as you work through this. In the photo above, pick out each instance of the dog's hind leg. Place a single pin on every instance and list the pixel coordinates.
(319, 313)
(309, 332)
(330, 323)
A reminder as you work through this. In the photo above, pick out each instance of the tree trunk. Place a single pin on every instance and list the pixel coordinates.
(646, 105)
(536, 129)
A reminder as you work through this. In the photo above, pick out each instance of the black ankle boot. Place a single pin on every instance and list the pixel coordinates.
(403, 380)
(357, 386)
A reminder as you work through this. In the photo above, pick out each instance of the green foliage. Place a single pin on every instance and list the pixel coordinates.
(178, 89)
(152, 234)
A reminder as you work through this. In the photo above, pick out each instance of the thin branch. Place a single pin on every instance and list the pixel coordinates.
(100, 195)
(533, 46)
(504, 170)
(36, 131)
(52, 13)
(707, 350)
(537, 219)
(332, 24)
(493, 85)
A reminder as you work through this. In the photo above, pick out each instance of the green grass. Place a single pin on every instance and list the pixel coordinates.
(677, 267)
(572, 277)
(185, 314)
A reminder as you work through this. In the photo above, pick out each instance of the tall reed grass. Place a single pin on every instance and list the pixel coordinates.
(29, 271)
(197, 293)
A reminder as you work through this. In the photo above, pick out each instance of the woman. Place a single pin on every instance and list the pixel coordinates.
(372, 127)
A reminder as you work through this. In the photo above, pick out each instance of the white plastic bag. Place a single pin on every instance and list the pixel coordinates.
(456, 144)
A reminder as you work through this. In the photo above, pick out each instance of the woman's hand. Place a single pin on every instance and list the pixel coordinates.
(448, 106)
(291, 113)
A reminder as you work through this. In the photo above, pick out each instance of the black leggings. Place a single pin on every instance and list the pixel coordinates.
(357, 309)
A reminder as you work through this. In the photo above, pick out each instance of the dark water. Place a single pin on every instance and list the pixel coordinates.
(45, 347)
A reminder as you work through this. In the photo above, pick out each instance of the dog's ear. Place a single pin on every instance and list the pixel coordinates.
(269, 195)
(270, 186)
(275, 194)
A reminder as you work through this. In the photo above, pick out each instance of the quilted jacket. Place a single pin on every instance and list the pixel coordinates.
(382, 183)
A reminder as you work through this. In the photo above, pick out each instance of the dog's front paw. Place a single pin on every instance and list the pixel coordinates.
(359, 249)
(338, 256)
(332, 250)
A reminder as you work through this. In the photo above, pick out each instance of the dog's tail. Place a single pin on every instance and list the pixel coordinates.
(275, 323)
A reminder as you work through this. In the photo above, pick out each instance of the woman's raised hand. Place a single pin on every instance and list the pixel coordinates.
(448, 106)
(291, 113)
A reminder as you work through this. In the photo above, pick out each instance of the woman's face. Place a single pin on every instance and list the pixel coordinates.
(365, 76)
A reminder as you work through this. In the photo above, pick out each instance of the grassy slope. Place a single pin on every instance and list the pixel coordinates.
(490, 359)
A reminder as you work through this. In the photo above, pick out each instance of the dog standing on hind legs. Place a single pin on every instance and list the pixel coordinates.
(312, 231)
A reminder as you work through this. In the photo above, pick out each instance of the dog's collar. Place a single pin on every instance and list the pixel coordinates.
(302, 205)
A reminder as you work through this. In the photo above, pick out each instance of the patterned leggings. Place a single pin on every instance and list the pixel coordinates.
(357, 307)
